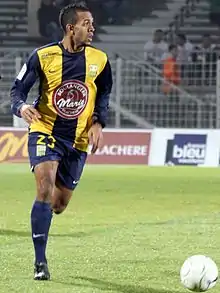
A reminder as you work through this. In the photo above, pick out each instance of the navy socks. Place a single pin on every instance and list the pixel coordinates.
(41, 216)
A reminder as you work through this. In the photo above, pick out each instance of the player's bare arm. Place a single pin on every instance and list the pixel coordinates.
(96, 137)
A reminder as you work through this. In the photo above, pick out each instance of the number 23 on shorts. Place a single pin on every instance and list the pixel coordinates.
(43, 142)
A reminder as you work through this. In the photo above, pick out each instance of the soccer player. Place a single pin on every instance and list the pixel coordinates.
(71, 110)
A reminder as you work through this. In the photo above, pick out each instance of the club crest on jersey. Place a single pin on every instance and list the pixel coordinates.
(70, 99)
(93, 70)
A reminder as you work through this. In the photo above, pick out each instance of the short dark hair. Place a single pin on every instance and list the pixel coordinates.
(158, 31)
(182, 36)
(68, 15)
(171, 47)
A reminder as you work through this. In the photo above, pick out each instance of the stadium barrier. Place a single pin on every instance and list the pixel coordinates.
(120, 146)
(143, 96)
(157, 147)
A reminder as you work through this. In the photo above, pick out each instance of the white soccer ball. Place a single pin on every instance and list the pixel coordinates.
(199, 273)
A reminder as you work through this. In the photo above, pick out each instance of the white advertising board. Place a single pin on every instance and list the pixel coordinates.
(185, 147)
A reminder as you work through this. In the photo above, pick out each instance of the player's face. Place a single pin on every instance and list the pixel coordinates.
(83, 29)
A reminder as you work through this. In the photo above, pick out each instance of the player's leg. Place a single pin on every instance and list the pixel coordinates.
(44, 159)
(60, 197)
(41, 215)
(68, 175)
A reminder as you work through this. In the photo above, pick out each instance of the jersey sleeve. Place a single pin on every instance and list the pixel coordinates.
(104, 86)
(24, 82)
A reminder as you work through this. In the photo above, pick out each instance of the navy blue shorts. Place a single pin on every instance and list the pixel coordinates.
(43, 147)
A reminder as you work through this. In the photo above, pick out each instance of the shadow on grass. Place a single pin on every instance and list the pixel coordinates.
(28, 233)
(8, 232)
(109, 286)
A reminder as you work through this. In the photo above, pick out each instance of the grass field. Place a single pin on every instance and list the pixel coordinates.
(127, 230)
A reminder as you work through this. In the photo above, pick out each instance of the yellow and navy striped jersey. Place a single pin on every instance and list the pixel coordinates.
(73, 92)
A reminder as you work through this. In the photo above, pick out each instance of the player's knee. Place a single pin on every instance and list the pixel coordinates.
(44, 188)
(59, 209)
(60, 204)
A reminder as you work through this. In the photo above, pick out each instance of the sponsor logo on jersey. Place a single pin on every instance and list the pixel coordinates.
(70, 99)
(50, 54)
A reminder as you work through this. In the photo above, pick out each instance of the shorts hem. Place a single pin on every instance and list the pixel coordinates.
(45, 159)
(59, 179)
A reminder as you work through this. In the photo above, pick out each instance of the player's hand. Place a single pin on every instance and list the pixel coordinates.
(29, 113)
(95, 137)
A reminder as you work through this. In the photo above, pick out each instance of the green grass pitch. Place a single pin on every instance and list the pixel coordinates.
(126, 230)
